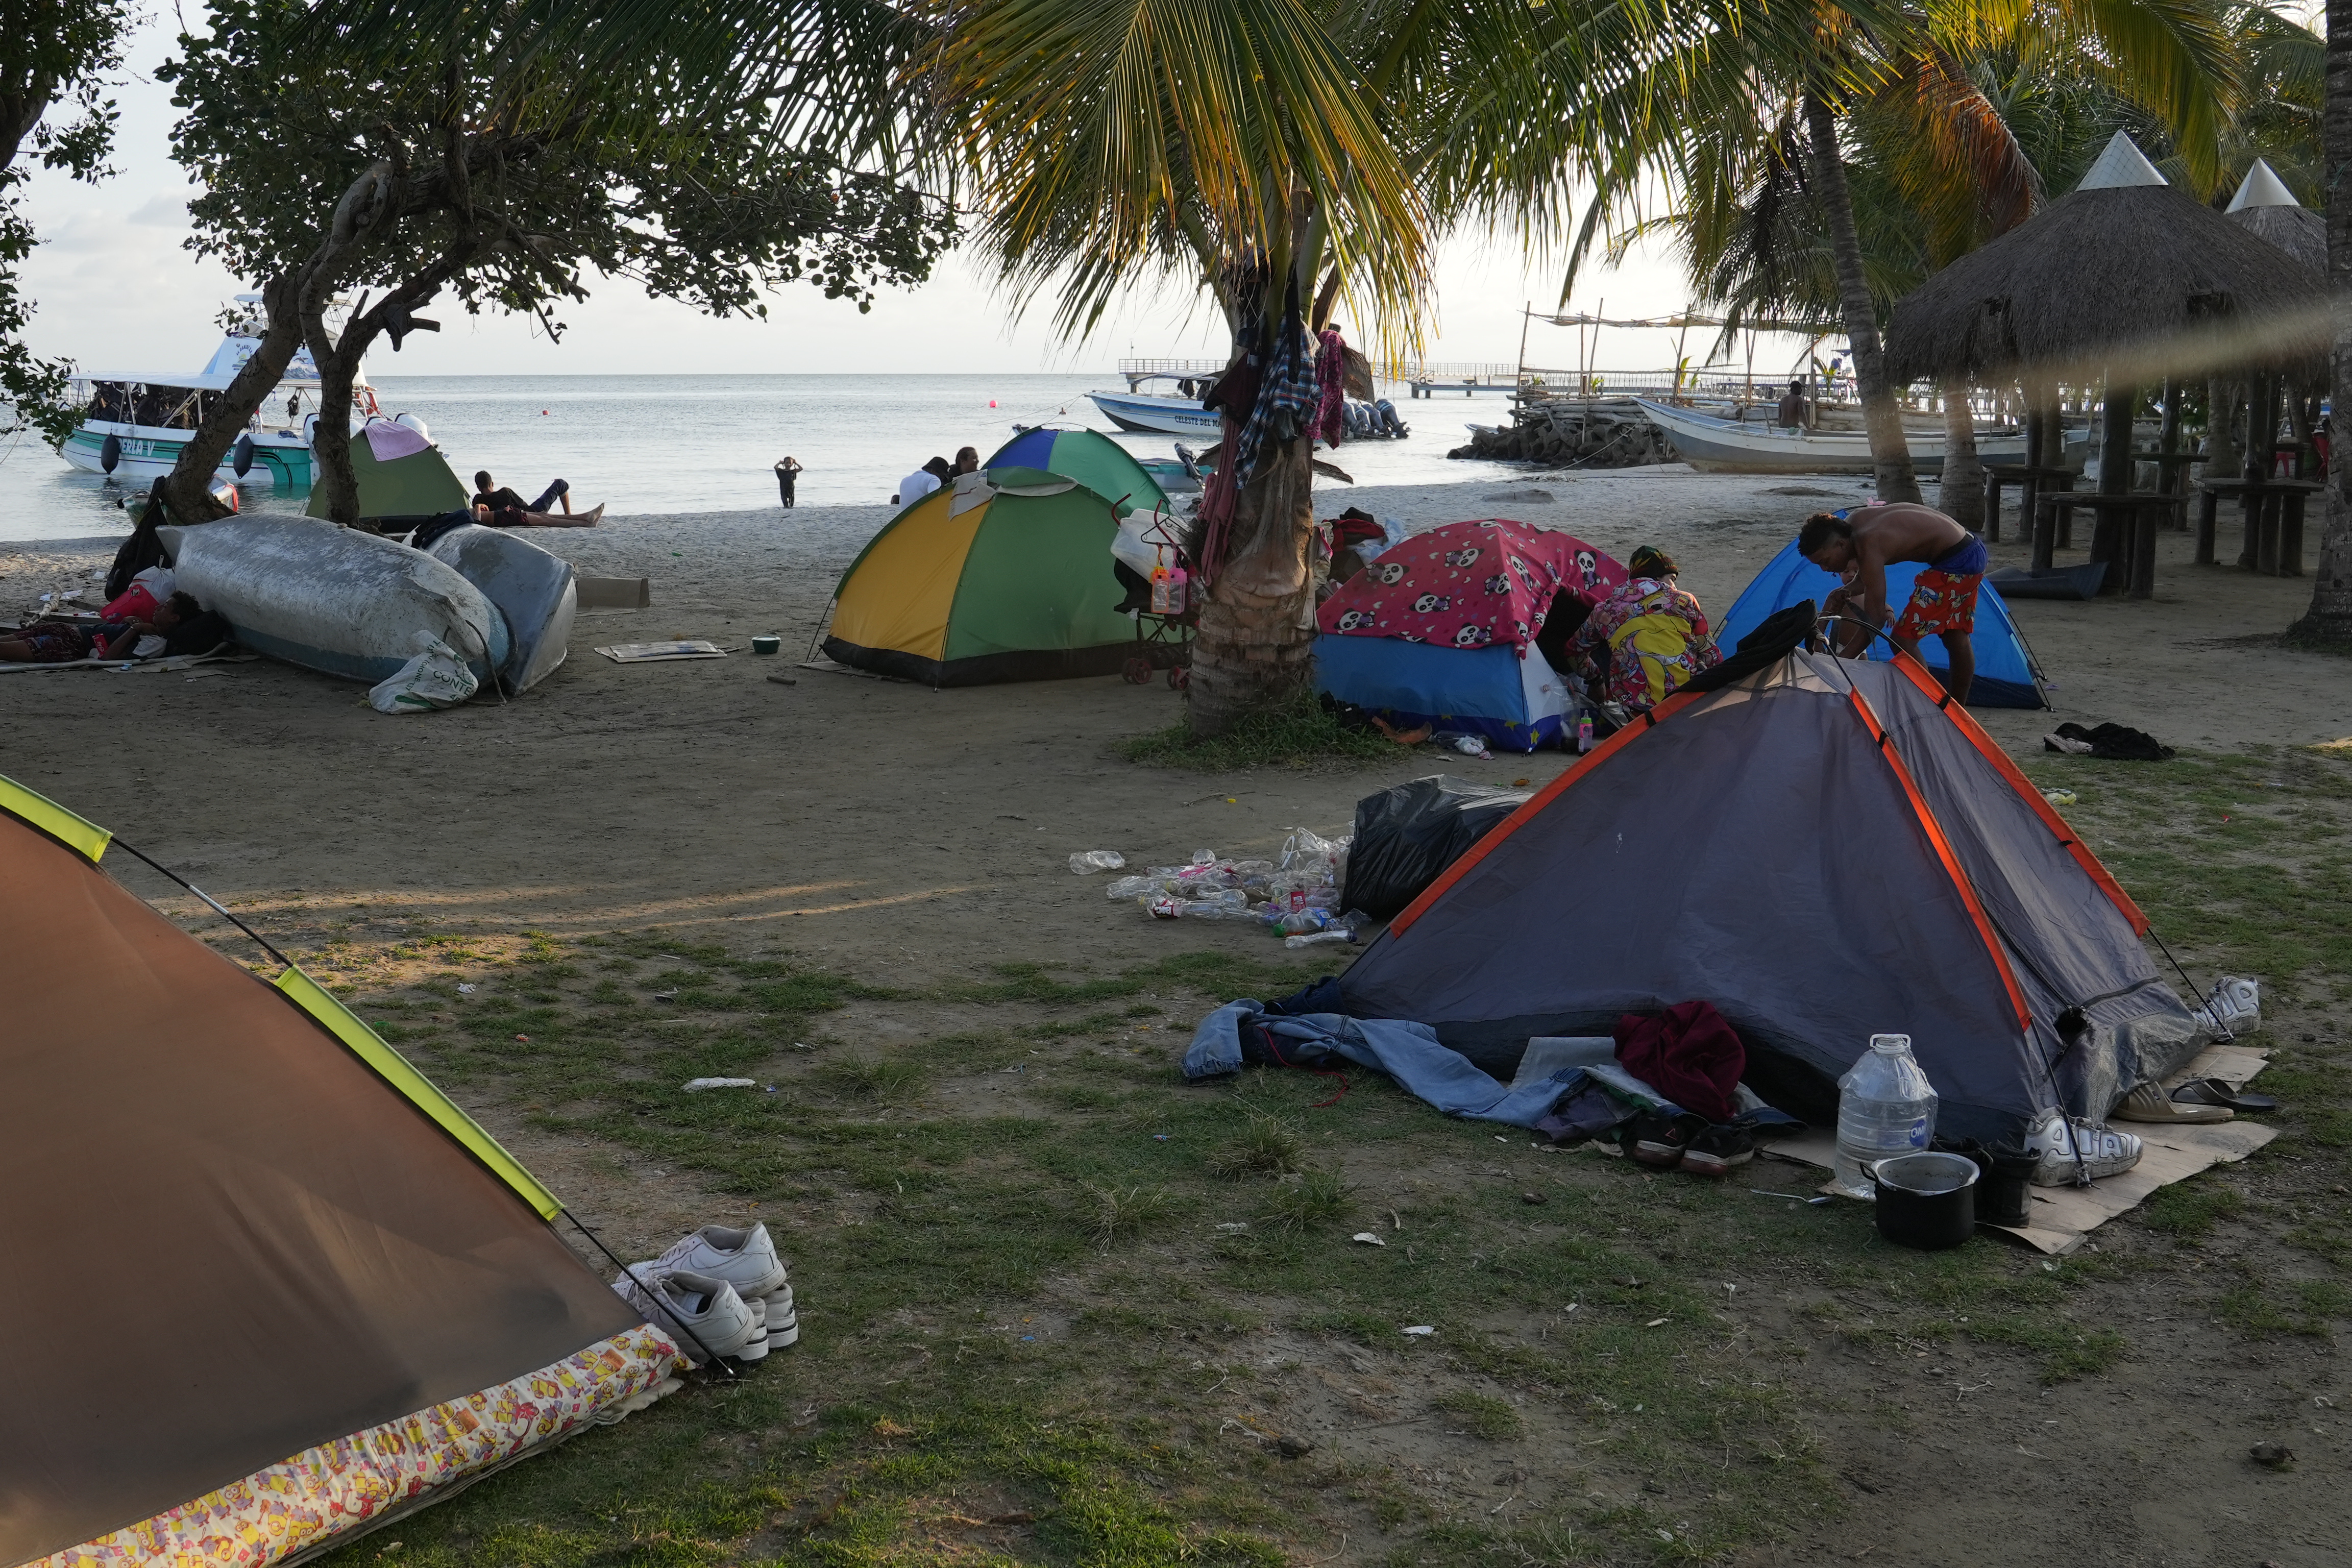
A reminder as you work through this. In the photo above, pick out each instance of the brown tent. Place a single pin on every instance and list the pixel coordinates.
(265, 1284)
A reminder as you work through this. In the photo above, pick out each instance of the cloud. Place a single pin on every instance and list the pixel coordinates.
(161, 212)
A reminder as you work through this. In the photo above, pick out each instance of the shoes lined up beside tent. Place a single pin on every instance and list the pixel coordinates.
(723, 1289)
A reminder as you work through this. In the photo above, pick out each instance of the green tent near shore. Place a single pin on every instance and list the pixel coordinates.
(400, 473)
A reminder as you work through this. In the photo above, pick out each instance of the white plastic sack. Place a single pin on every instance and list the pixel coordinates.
(1130, 548)
(435, 677)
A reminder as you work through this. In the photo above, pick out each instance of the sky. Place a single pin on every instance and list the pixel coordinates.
(116, 289)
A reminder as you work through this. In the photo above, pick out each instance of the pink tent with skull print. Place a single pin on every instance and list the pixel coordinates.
(1442, 627)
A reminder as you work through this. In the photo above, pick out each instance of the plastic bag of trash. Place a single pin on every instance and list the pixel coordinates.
(1407, 835)
(435, 677)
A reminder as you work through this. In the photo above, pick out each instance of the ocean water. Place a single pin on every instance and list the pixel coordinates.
(709, 443)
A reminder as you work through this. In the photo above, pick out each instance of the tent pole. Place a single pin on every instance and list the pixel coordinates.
(598, 1242)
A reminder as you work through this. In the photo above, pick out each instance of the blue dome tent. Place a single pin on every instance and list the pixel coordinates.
(2007, 676)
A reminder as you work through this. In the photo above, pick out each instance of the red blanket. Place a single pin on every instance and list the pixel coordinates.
(1688, 1054)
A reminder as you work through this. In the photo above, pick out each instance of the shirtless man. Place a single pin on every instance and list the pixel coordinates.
(1860, 547)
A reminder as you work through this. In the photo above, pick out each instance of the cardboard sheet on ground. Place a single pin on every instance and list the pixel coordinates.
(655, 652)
(2063, 1217)
(176, 661)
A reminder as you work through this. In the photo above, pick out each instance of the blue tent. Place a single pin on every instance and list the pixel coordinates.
(2007, 676)
(1508, 694)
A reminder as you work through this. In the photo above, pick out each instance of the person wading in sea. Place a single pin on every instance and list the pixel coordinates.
(1862, 544)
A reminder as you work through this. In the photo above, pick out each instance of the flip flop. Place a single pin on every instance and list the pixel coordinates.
(2147, 1103)
(2215, 1091)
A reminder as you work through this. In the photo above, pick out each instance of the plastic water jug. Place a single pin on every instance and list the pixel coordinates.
(1885, 1107)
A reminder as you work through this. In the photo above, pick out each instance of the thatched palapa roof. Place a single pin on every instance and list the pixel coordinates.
(2124, 276)
(2264, 206)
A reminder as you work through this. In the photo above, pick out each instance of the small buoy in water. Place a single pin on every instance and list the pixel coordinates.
(543, 414)
(992, 403)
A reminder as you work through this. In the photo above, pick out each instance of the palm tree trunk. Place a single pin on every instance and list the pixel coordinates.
(1253, 650)
(1962, 496)
(187, 490)
(1880, 417)
(2329, 618)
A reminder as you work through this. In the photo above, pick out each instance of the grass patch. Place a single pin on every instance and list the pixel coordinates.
(1483, 1415)
(1301, 734)
(1121, 1213)
(1267, 1147)
(1315, 1198)
(880, 1078)
(1023, 1301)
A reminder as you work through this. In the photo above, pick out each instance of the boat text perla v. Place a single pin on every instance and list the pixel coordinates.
(1751, 446)
(137, 422)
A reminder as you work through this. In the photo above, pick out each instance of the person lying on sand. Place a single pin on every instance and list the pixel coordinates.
(504, 499)
(183, 623)
(516, 517)
(1860, 546)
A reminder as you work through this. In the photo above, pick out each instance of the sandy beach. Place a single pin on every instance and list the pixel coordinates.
(931, 823)
(892, 830)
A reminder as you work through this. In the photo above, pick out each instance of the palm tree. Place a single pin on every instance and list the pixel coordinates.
(2329, 619)
(1285, 156)
(1906, 67)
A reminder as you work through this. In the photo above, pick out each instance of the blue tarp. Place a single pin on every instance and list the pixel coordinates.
(2006, 675)
(1480, 690)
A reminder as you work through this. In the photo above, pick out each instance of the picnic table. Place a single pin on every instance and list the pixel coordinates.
(2029, 480)
(2125, 537)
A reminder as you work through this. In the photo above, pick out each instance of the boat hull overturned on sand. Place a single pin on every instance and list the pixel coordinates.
(531, 588)
(333, 600)
(1734, 447)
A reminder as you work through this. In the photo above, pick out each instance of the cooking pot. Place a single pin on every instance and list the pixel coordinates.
(1927, 1201)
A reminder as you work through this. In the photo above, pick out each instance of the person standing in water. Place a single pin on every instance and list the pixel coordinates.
(788, 473)
(1862, 544)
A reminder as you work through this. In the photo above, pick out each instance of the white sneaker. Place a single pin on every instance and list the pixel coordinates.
(2092, 1150)
(701, 1313)
(783, 1320)
(744, 1258)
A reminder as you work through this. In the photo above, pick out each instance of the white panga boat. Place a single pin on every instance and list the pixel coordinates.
(1752, 447)
(1180, 413)
(137, 421)
(1175, 413)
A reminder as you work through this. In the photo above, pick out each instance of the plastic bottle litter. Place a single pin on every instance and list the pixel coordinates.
(1583, 732)
(2059, 796)
(1885, 1107)
(1204, 857)
(1088, 861)
(1316, 938)
(696, 1085)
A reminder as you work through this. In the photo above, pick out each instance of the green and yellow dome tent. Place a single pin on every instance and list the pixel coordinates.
(1089, 456)
(980, 582)
(401, 476)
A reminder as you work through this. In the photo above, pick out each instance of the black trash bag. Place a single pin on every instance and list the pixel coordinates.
(1406, 836)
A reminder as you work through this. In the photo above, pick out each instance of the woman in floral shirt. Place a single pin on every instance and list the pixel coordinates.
(1649, 637)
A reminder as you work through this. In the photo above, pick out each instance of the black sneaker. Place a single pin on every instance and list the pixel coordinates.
(1658, 1139)
(1715, 1152)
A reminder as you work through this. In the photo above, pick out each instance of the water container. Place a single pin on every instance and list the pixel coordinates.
(1885, 1107)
